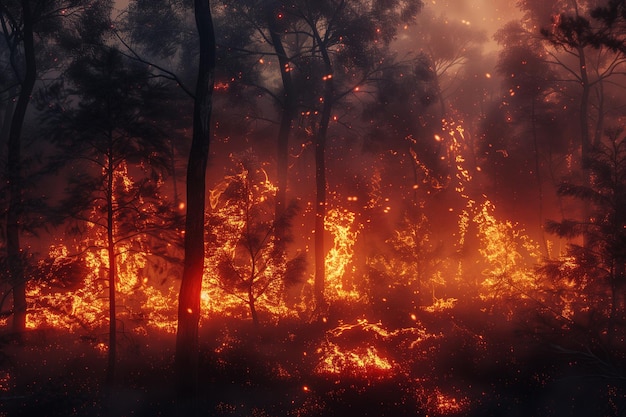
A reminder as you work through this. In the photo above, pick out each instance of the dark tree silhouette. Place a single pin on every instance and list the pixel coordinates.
(346, 44)
(248, 52)
(21, 21)
(107, 137)
(187, 343)
(174, 38)
(599, 266)
(533, 144)
(14, 169)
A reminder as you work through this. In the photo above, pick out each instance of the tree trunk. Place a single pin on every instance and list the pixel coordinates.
(187, 350)
(585, 141)
(6, 120)
(253, 312)
(287, 116)
(599, 130)
(14, 165)
(320, 181)
(110, 375)
(441, 99)
(584, 107)
(538, 176)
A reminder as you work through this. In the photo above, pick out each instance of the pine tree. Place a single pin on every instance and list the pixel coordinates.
(599, 266)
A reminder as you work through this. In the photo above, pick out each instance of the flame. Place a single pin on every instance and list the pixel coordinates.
(341, 224)
(361, 361)
(441, 304)
(505, 249)
(85, 307)
(141, 302)
(348, 349)
(242, 266)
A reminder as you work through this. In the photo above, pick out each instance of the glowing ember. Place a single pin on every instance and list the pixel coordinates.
(5, 381)
(441, 304)
(444, 404)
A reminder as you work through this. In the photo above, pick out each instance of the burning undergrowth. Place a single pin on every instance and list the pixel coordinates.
(414, 325)
(444, 363)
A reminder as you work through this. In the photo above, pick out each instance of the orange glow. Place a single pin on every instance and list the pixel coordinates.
(340, 355)
(362, 361)
(345, 230)
(507, 251)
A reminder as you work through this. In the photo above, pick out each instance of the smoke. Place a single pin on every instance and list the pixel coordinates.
(487, 15)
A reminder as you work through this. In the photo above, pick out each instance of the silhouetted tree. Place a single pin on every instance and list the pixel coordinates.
(175, 45)
(14, 170)
(187, 343)
(108, 137)
(529, 112)
(21, 21)
(586, 61)
(347, 40)
(599, 266)
(271, 38)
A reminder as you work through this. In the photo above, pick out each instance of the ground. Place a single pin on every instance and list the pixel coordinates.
(445, 363)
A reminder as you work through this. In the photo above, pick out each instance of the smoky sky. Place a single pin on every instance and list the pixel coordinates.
(489, 15)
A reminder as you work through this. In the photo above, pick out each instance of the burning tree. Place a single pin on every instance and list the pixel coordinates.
(108, 143)
(399, 279)
(248, 254)
(27, 27)
(506, 251)
(598, 268)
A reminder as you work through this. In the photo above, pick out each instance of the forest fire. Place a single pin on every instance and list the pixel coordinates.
(387, 210)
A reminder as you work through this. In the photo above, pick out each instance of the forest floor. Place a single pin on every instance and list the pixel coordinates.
(444, 363)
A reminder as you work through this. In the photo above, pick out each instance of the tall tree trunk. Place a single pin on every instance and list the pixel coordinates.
(442, 102)
(599, 130)
(538, 176)
(287, 116)
(252, 305)
(110, 375)
(585, 141)
(6, 120)
(320, 180)
(14, 175)
(187, 349)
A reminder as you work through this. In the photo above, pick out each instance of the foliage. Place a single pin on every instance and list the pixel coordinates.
(249, 260)
(405, 276)
(597, 262)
